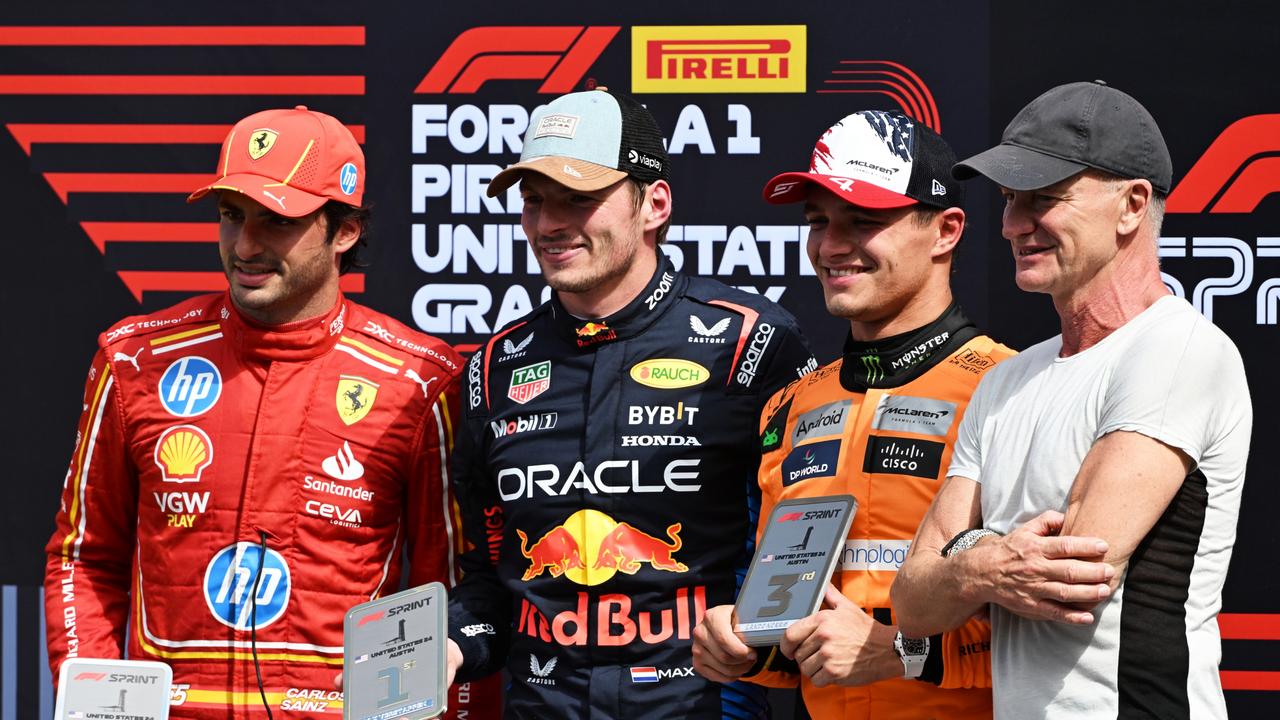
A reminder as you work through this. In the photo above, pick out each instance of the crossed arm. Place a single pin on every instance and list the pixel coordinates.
(1054, 567)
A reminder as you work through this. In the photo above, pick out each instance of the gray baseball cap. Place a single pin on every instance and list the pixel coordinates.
(1069, 129)
(589, 141)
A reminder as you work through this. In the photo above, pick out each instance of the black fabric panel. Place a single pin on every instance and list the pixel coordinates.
(1154, 657)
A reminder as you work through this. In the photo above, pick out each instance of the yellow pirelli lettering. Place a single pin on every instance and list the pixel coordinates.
(718, 59)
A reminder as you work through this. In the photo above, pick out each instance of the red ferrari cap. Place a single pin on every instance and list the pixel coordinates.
(291, 161)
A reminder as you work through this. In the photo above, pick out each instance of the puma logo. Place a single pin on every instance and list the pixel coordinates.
(279, 200)
(132, 359)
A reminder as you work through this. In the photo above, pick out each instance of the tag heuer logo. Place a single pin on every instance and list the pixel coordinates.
(530, 381)
(261, 141)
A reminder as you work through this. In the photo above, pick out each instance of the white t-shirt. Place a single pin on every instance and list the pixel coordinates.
(1154, 648)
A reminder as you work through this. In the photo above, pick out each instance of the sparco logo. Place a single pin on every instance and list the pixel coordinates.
(664, 287)
(751, 363)
(473, 380)
(523, 423)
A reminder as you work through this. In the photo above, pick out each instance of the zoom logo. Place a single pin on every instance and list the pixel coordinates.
(190, 386)
(228, 585)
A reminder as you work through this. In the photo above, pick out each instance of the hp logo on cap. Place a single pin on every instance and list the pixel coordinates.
(347, 179)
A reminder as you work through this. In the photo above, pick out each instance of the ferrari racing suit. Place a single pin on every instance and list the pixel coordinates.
(606, 471)
(212, 452)
(880, 424)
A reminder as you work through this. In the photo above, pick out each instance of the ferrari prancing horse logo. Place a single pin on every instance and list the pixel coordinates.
(355, 398)
(261, 141)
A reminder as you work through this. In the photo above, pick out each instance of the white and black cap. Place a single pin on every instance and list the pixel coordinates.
(876, 159)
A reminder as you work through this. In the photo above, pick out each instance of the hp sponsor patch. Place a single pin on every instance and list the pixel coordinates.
(190, 386)
(229, 580)
(925, 416)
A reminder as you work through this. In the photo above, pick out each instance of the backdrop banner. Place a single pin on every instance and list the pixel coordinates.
(110, 115)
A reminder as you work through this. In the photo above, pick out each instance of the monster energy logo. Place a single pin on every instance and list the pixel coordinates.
(871, 364)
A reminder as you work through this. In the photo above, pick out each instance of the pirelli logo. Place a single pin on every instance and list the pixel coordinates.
(718, 59)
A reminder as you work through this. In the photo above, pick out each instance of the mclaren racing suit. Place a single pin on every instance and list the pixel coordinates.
(880, 424)
(213, 454)
(606, 472)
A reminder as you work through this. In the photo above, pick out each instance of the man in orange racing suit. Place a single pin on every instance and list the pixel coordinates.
(878, 423)
(251, 464)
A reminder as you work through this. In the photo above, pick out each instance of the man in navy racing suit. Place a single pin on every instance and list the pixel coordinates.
(607, 458)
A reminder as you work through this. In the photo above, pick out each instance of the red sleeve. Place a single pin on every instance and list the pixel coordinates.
(90, 555)
(435, 537)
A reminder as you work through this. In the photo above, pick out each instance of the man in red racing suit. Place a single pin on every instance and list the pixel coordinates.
(276, 436)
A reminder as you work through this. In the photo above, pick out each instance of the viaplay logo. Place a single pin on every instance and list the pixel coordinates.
(1233, 177)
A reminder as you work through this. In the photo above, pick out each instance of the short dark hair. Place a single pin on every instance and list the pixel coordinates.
(637, 200)
(335, 214)
(924, 215)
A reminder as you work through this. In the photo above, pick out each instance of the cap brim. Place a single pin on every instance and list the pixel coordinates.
(1017, 167)
(281, 199)
(570, 172)
(792, 187)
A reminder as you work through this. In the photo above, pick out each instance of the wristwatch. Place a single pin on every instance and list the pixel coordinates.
(912, 652)
(965, 540)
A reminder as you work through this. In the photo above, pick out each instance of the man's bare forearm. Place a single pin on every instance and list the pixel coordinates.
(933, 594)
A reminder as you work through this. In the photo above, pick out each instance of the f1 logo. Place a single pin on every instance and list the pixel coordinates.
(1239, 169)
(558, 55)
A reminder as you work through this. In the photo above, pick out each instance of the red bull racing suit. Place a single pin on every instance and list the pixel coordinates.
(880, 424)
(606, 472)
(212, 452)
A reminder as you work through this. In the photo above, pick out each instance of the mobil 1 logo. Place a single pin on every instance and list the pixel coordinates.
(902, 456)
(394, 655)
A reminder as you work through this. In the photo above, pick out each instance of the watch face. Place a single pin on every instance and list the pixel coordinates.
(915, 646)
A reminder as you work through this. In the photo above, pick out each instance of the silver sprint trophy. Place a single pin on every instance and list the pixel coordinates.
(394, 656)
(113, 690)
(794, 560)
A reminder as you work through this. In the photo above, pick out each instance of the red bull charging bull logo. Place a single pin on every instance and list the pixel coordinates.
(589, 547)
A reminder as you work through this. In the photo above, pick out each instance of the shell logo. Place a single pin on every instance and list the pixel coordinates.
(182, 453)
(669, 373)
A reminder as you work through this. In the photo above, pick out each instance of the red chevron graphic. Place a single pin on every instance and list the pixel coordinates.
(101, 231)
(886, 77)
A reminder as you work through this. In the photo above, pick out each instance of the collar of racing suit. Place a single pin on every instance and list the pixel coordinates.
(649, 305)
(291, 342)
(897, 360)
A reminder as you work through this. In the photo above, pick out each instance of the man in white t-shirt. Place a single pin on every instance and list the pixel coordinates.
(1091, 502)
